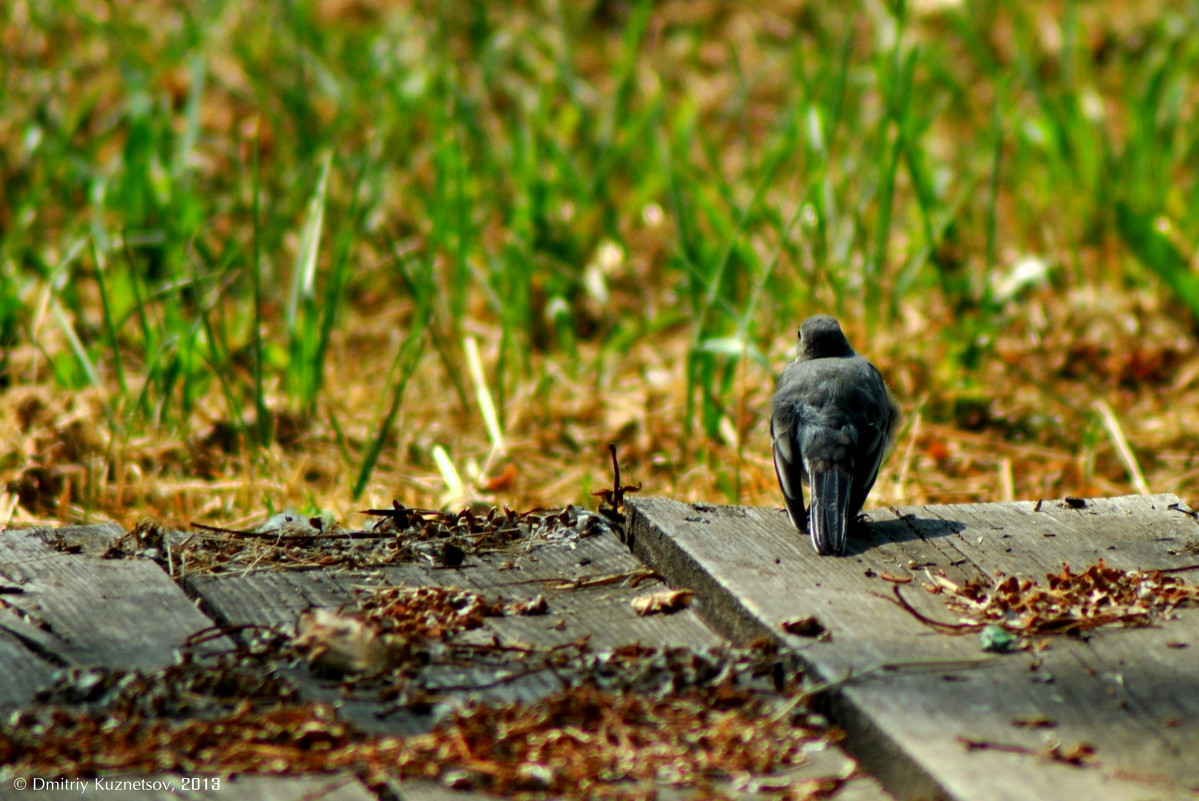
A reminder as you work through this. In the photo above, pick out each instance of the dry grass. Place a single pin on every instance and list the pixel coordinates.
(1040, 437)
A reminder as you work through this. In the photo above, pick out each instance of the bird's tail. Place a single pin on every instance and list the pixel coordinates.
(830, 509)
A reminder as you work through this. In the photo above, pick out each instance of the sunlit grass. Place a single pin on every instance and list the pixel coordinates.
(243, 246)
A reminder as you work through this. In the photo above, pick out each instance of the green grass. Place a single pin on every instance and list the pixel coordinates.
(199, 199)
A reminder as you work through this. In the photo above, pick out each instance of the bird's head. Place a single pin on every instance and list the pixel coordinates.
(820, 337)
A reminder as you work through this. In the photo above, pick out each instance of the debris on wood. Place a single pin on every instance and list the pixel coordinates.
(997, 639)
(1068, 603)
(394, 629)
(341, 643)
(625, 719)
(1034, 722)
(612, 500)
(537, 605)
(1078, 755)
(807, 626)
(400, 534)
(629, 578)
(664, 602)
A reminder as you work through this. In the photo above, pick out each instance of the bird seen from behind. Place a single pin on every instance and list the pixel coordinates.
(831, 425)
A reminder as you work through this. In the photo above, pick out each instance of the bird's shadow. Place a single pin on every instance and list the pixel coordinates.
(866, 534)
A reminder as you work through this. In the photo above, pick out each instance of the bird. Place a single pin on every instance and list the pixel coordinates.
(831, 424)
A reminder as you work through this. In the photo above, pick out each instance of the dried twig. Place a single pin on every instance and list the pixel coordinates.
(279, 536)
(855, 676)
(1078, 755)
(633, 577)
(1182, 569)
(949, 628)
(612, 500)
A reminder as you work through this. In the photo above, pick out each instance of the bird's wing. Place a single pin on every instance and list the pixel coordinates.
(789, 471)
(873, 441)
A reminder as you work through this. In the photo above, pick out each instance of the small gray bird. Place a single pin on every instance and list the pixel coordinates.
(832, 423)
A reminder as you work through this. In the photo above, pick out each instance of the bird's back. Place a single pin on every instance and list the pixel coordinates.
(831, 392)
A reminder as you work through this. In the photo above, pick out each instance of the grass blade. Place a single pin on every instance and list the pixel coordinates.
(1148, 237)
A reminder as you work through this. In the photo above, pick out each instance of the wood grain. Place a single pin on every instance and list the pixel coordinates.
(1124, 691)
(67, 610)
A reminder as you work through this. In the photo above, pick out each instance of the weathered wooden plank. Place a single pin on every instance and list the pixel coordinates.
(434, 791)
(92, 540)
(818, 766)
(24, 672)
(1124, 691)
(165, 787)
(602, 613)
(76, 610)
(72, 610)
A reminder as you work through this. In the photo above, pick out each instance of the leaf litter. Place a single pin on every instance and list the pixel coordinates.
(1068, 602)
(622, 722)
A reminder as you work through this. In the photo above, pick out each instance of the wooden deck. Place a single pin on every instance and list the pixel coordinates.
(64, 607)
(1112, 713)
(931, 714)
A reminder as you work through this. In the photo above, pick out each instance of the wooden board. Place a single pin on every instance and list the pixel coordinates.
(1127, 692)
(603, 613)
(433, 791)
(63, 610)
(66, 609)
(92, 540)
(23, 670)
(163, 787)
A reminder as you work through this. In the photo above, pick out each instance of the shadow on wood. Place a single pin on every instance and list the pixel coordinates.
(867, 534)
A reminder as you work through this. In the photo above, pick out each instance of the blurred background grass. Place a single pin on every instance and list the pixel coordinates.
(327, 253)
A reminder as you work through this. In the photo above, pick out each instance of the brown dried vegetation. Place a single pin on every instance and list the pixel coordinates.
(1068, 603)
(626, 722)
